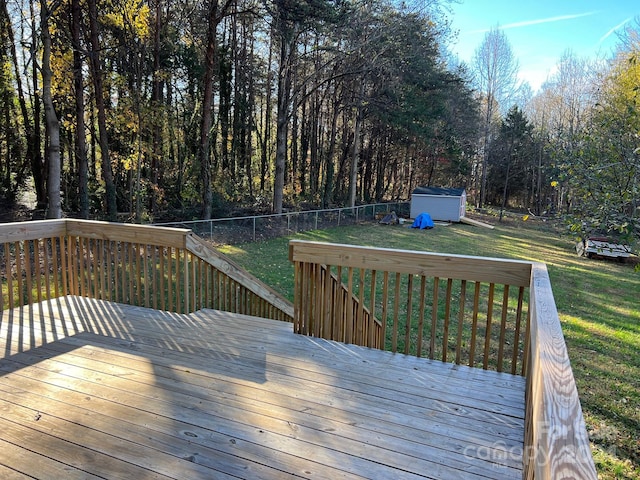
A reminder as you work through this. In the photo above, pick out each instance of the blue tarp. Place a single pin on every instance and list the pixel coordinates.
(423, 221)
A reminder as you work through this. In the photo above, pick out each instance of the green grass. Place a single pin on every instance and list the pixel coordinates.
(598, 303)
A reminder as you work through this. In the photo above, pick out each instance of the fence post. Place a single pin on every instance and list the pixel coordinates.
(254, 229)
(316, 220)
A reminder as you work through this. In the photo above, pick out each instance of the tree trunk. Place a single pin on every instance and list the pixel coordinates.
(207, 115)
(157, 105)
(78, 85)
(107, 173)
(37, 163)
(284, 89)
(54, 209)
(356, 149)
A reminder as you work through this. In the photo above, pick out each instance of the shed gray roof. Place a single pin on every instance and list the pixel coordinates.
(447, 192)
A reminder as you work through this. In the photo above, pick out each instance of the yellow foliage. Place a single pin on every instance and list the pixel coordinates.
(132, 16)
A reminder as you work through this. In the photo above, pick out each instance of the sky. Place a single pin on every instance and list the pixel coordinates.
(541, 31)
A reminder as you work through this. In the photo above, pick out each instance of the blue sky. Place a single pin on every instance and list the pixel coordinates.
(541, 31)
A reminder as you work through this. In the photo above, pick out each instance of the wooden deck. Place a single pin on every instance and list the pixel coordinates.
(92, 389)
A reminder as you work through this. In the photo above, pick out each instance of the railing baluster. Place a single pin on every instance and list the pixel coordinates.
(170, 279)
(27, 270)
(385, 300)
(9, 273)
(434, 318)
(350, 307)
(487, 337)
(462, 304)
(360, 330)
(340, 300)
(396, 314)
(421, 311)
(516, 339)
(407, 324)
(326, 300)
(447, 320)
(474, 325)
(93, 252)
(503, 327)
(37, 269)
(371, 324)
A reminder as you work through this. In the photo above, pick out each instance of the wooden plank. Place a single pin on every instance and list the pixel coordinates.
(396, 314)
(463, 299)
(474, 325)
(25, 231)
(516, 339)
(447, 320)
(476, 223)
(18, 462)
(19, 273)
(552, 395)
(122, 232)
(492, 270)
(409, 317)
(434, 318)
(27, 271)
(9, 274)
(503, 328)
(487, 330)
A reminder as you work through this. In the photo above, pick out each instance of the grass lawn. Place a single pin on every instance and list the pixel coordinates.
(598, 302)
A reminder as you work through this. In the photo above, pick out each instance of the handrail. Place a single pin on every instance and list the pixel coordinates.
(556, 439)
(158, 267)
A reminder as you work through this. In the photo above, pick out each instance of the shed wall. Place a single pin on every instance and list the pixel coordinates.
(440, 207)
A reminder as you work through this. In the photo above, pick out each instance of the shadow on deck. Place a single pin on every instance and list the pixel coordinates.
(93, 389)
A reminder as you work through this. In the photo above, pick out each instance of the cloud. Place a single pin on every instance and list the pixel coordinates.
(613, 30)
(528, 23)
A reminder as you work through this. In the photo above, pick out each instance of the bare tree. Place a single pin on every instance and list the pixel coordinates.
(54, 209)
(496, 77)
(98, 85)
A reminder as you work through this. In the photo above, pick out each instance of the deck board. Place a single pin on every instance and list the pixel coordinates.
(90, 387)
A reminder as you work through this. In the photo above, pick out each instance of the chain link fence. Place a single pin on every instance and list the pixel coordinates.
(238, 230)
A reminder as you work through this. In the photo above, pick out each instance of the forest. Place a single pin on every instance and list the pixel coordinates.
(139, 110)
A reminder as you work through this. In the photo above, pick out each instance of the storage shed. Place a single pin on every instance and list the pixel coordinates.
(445, 204)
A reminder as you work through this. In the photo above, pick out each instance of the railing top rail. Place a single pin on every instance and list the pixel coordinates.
(560, 446)
(19, 231)
(463, 267)
(126, 232)
(149, 234)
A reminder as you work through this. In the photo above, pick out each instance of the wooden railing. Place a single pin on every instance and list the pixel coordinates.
(556, 440)
(489, 313)
(162, 268)
(452, 308)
